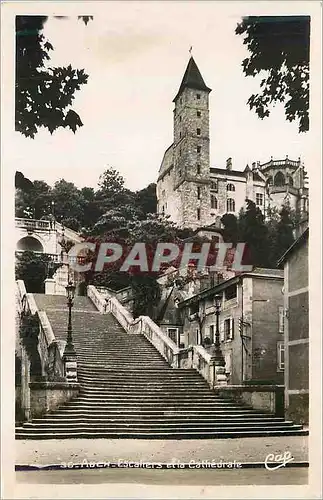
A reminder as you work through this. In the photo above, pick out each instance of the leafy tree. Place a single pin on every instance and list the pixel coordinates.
(67, 199)
(282, 235)
(33, 269)
(34, 200)
(44, 94)
(230, 231)
(280, 48)
(146, 199)
(254, 232)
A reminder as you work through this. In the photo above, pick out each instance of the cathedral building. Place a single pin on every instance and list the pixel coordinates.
(193, 193)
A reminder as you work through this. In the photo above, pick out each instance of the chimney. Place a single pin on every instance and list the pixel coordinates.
(253, 165)
(229, 164)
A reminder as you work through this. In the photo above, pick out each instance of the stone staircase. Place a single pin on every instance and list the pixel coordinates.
(129, 391)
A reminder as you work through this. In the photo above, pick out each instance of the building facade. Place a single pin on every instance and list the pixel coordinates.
(195, 194)
(251, 322)
(296, 329)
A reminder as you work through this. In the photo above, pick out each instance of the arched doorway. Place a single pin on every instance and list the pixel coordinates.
(279, 179)
(28, 243)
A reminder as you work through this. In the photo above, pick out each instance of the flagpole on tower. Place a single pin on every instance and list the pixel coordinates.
(190, 51)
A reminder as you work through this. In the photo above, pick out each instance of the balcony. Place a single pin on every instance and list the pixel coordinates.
(34, 224)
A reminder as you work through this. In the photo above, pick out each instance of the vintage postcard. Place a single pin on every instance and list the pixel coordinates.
(161, 243)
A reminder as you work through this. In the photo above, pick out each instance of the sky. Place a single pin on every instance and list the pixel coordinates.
(135, 54)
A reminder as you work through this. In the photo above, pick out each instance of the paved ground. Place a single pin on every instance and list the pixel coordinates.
(290, 476)
(56, 451)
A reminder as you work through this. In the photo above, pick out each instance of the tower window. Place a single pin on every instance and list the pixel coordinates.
(198, 169)
(214, 201)
(198, 114)
(259, 199)
(180, 173)
(180, 118)
(198, 193)
(181, 101)
(231, 206)
(198, 131)
(198, 214)
(198, 149)
(180, 151)
(231, 187)
(198, 96)
(180, 134)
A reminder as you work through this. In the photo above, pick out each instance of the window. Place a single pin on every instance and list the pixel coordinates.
(198, 214)
(231, 206)
(198, 193)
(279, 179)
(181, 101)
(280, 356)
(228, 327)
(180, 134)
(180, 173)
(198, 114)
(198, 149)
(259, 199)
(180, 151)
(281, 319)
(214, 201)
(180, 118)
(173, 334)
(214, 186)
(231, 187)
(198, 168)
(230, 292)
(198, 96)
(198, 131)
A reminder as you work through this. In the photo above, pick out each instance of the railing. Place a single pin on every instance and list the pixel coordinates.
(34, 223)
(142, 325)
(52, 366)
(280, 163)
(97, 299)
(282, 189)
(164, 345)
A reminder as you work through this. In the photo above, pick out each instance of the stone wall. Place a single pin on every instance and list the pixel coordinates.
(48, 396)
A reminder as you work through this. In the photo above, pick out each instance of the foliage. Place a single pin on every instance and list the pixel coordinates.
(33, 269)
(44, 94)
(282, 236)
(254, 232)
(280, 48)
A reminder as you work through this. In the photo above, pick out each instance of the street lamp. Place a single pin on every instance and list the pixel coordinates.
(70, 293)
(69, 357)
(216, 348)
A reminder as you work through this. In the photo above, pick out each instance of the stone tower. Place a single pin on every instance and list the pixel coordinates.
(183, 187)
(191, 148)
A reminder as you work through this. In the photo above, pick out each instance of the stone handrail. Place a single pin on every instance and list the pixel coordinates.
(123, 316)
(97, 298)
(32, 223)
(198, 358)
(142, 325)
(48, 347)
(164, 345)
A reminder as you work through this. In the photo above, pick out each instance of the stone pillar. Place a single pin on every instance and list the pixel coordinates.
(70, 366)
(50, 286)
(218, 374)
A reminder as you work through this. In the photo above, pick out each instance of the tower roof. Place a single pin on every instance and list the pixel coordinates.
(192, 79)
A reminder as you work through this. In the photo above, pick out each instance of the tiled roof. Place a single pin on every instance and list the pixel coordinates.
(192, 79)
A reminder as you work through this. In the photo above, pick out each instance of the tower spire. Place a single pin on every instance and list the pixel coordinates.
(192, 78)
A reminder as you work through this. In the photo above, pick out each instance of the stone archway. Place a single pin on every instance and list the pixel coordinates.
(31, 244)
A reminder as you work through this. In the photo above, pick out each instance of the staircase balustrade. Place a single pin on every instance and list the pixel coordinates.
(52, 366)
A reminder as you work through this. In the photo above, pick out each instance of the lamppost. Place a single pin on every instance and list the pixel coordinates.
(216, 348)
(69, 356)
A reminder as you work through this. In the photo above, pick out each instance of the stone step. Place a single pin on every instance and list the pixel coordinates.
(131, 434)
(147, 427)
(154, 420)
